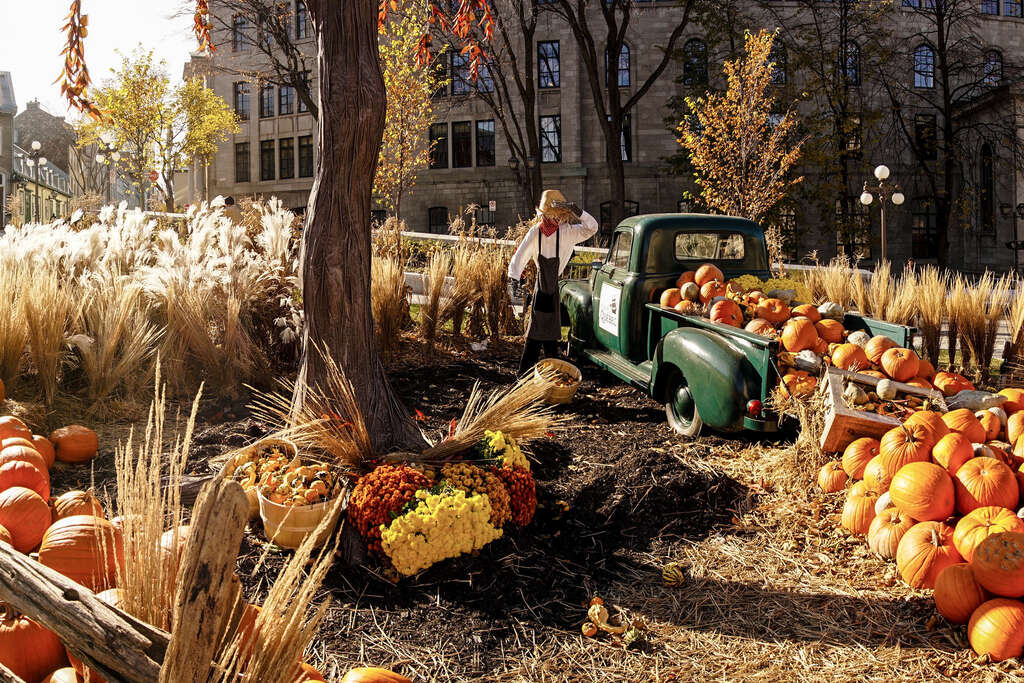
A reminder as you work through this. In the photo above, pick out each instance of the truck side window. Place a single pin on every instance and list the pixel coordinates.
(619, 256)
(709, 245)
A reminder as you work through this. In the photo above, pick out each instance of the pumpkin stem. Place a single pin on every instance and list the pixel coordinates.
(935, 537)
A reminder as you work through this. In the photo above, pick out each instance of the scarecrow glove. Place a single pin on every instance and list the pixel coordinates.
(514, 287)
(576, 211)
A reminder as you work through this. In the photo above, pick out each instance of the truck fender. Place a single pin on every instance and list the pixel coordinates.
(577, 309)
(720, 375)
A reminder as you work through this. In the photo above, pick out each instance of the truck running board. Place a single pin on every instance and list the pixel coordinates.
(638, 376)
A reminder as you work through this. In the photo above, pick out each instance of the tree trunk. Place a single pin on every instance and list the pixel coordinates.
(335, 253)
(168, 194)
(616, 183)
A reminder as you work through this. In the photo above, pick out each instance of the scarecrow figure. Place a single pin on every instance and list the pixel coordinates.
(560, 225)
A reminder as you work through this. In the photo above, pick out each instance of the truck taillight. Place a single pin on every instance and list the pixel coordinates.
(754, 408)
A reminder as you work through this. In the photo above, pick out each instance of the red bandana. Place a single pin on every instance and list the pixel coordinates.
(548, 226)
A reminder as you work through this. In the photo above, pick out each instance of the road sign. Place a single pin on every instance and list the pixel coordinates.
(492, 205)
(153, 176)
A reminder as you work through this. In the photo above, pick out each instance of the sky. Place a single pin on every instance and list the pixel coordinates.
(31, 42)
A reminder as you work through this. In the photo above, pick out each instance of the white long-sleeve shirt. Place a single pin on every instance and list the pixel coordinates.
(571, 234)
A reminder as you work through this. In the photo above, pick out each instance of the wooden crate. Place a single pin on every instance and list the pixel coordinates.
(844, 424)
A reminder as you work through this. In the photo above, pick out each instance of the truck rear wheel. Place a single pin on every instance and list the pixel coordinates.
(681, 408)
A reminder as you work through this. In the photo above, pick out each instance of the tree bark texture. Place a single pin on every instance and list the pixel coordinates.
(336, 253)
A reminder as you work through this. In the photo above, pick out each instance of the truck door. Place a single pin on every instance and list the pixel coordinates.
(610, 322)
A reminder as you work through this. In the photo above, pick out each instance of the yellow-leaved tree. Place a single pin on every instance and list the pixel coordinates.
(153, 125)
(410, 84)
(741, 149)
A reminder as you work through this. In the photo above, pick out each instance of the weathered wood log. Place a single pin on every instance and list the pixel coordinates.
(8, 676)
(208, 591)
(115, 644)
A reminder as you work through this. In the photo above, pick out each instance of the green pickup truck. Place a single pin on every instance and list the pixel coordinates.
(705, 373)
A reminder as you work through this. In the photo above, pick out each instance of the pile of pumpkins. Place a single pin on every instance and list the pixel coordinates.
(941, 495)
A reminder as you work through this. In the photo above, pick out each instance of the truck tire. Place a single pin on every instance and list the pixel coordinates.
(680, 408)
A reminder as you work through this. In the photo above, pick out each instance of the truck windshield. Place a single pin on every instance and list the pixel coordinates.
(718, 246)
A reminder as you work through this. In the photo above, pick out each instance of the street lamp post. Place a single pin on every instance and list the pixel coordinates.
(36, 160)
(886, 192)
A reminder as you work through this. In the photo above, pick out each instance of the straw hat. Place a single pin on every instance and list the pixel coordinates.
(549, 206)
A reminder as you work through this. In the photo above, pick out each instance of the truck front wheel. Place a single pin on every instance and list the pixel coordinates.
(680, 407)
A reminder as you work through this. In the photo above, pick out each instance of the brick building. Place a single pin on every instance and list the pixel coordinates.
(274, 153)
(54, 133)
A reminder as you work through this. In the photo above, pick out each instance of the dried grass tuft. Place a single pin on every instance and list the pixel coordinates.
(903, 306)
(13, 331)
(434, 279)
(930, 298)
(390, 303)
(49, 310)
(881, 290)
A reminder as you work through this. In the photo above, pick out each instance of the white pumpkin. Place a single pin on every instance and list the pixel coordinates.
(860, 338)
(884, 501)
(831, 311)
(886, 389)
(690, 291)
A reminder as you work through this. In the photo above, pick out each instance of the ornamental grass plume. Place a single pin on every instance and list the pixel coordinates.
(434, 284)
(929, 295)
(881, 290)
(902, 308)
(389, 302)
(13, 331)
(49, 310)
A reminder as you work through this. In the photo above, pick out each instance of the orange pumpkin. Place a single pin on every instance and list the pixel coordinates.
(75, 443)
(850, 357)
(370, 674)
(952, 451)
(799, 382)
(924, 551)
(1014, 426)
(950, 383)
(29, 650)
(11, 426)
(923, 490)
(762, 327)
(21, 473)
(774, 311)
(992, 425)
(887, 529)
(931, 421)
(829, 330)
(925, 369)
(996, 629)
(85, 549)
(310, 673)
(688, 276)
(831, 477)
(874, 373)
(859, 509)
(963, 422)
(981, 482)
(957, 594)
(799, 334)
(808, 311)
(727, 312)
(979, 524)
(910, 442)
(17, 441)
(687, 307)
(858, 454)
(998, 563)
(920, 382)
(1014, 399)
(900, 364)
(708, 273)
(710, 290)
(877, 474)
(76, 503)
(5, 536)
(876, 346)
(754, 297)
(25, 515)
(29, 455)
(670, 297)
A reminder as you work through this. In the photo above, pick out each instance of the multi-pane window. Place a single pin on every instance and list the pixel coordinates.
(926, 136)
(239, 29)
(626, 138)
(924, 67)
(852, 133)
(462, 144)
(1013, 8)
(286, 158)
(853, 227)
(285, 100)
(926, 4)
(924, 235)
(551, 139)
(241, 96)
(301, 20)
(778, 57)
(437, 219)
(309, 88)
(439, 145)
(617, 69)
(786, 223)
(993, 68)
(990, 6)
(849, 62)
(441, 73)
(266, 101)
(986, 190)
(548, 64)
(695, 62)
(306, 156)
(485, 143)
(460, 74)
(242, 162)
(484, 78)
(266, 160)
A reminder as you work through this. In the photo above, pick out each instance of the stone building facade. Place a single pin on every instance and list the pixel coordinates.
(8, 108)
(274, 153)
(54, 133)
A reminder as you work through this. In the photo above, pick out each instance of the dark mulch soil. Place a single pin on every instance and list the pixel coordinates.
(609, 490)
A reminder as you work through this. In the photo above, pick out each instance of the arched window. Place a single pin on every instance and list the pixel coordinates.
(993, 69)
(849, 62)
(986, 190)
(695, 62)
(778, 58)
(924, 67)
(620, 70)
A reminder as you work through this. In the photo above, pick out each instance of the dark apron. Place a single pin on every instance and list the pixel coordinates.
(546, 316)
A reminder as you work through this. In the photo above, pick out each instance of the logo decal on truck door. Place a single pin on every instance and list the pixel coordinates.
(608, 313)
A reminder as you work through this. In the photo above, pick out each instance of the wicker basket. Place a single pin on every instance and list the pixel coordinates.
(555, 394)
(289, 525)
(232, 463)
